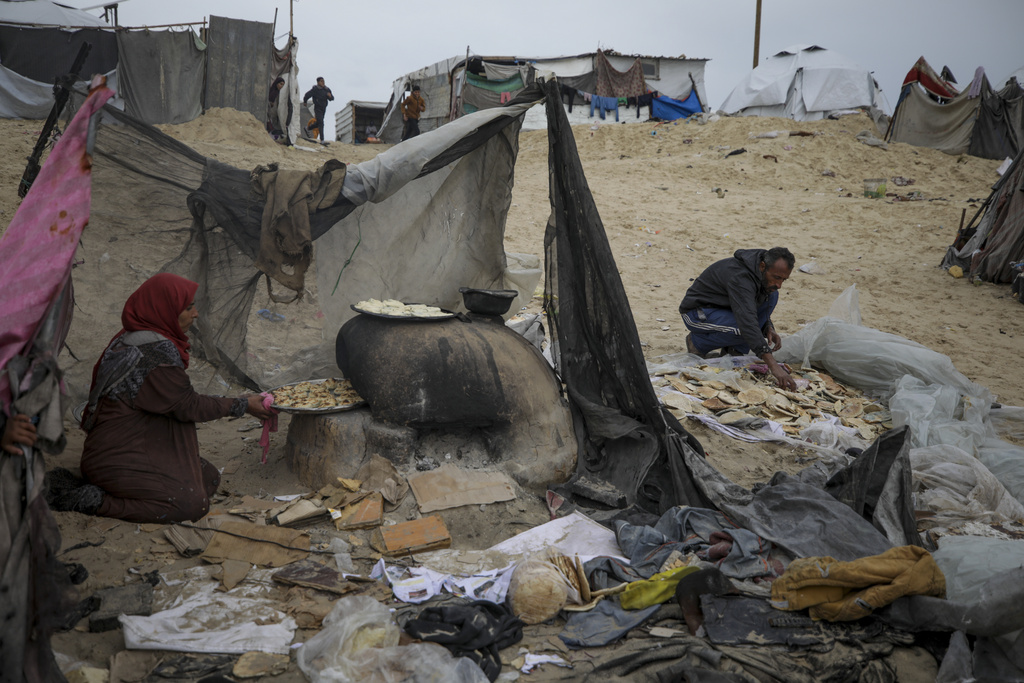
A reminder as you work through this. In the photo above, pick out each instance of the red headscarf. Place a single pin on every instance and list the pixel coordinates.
(156, 305)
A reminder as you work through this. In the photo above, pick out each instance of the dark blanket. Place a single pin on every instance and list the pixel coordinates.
(478, 630)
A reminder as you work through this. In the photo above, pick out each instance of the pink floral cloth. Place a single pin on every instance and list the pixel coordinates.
(37, 249)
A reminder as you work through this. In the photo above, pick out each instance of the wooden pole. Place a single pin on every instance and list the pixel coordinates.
(291, 20)
(757, 32)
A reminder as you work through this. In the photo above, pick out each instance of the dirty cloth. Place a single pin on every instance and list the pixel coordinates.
(691, 659)
(844, 591)
(285, 235)
(614, 83)
(798, 517)
(478, 630)
(655, 590)
(604, 624)
(739, 553)
(35, 266)
(741, 620)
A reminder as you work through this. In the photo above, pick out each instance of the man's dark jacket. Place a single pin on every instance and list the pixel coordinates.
(320, 96)
(736, 284)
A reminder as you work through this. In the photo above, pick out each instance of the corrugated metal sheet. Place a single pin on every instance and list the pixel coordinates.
(238, 60)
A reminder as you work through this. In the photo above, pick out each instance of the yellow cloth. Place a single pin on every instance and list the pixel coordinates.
(413, 106)
(655, 590)
(844, 591)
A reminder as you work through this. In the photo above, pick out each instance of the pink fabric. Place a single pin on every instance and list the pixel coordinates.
(268, 425)
(37, 249)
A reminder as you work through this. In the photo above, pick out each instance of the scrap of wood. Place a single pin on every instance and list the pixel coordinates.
(408, 538)
(366, 514)
(310, 574)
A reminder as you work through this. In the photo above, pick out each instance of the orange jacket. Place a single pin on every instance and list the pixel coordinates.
(413, 106)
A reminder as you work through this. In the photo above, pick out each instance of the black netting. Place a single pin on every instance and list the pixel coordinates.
(627, 443)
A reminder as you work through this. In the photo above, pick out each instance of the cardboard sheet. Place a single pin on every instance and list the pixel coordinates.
(419, 535)
(247, 546)
(449, 486)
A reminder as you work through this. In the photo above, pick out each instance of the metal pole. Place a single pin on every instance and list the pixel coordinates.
(291, 20)
(757, 32)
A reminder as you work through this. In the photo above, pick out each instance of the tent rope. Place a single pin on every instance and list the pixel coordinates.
(345, 265)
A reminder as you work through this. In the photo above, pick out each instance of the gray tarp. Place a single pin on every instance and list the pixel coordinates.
(920, 120)
(452, 219)
(161, 74)
(238, 61)
(43, 54)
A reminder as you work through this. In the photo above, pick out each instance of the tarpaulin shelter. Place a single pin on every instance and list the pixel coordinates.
(978, 121)
(806, 83)
(993, 241)
(457, 86)
(415, 223)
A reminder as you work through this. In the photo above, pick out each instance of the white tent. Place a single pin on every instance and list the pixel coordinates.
(805, 83)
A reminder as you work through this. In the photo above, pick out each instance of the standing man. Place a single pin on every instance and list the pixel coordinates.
(729, 306)
(321, 95)
(412, 107)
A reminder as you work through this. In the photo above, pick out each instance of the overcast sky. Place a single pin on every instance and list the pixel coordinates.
(360, 48)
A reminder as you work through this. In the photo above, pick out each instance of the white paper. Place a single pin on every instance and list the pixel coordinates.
(574, 534)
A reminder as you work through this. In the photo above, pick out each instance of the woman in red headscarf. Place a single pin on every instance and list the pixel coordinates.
(141, 456)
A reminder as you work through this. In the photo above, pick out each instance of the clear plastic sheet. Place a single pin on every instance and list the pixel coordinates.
(867, 358)
(955, 487)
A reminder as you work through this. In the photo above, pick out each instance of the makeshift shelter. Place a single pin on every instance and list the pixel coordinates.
(458, 86)
(806, 83)
(979, 120)
(993, 241)
(160, 76)
(357, 119)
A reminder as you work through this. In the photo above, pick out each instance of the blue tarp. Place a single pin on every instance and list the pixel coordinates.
(668, 109)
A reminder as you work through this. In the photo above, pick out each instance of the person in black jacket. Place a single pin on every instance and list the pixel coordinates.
(729, 306)
(321, 95)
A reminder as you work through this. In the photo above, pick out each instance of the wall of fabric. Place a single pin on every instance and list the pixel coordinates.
(43, 54)
(238, 61)
(161, 75)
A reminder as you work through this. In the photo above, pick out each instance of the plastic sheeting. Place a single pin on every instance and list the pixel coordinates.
(867, 358)
(162, 75)
(920, 120)
(954, 487)
(668, 109)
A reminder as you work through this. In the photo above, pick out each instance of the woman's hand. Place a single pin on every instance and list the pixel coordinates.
(19, 432)
(256, 409)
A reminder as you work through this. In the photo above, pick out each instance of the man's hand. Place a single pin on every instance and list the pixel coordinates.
(774, 339)
(19, 432)
(256, 409)
(782, 378)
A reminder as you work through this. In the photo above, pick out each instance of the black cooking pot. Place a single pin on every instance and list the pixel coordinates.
(488, 301)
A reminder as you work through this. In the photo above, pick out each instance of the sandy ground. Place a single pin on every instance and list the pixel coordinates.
(655, 187)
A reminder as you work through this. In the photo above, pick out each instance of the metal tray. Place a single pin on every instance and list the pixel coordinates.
(318, 411)
(449, 314)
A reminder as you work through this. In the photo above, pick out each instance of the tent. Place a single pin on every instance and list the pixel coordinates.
(458, 86)
(979, 120)
(806, 83)
(994, 239)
